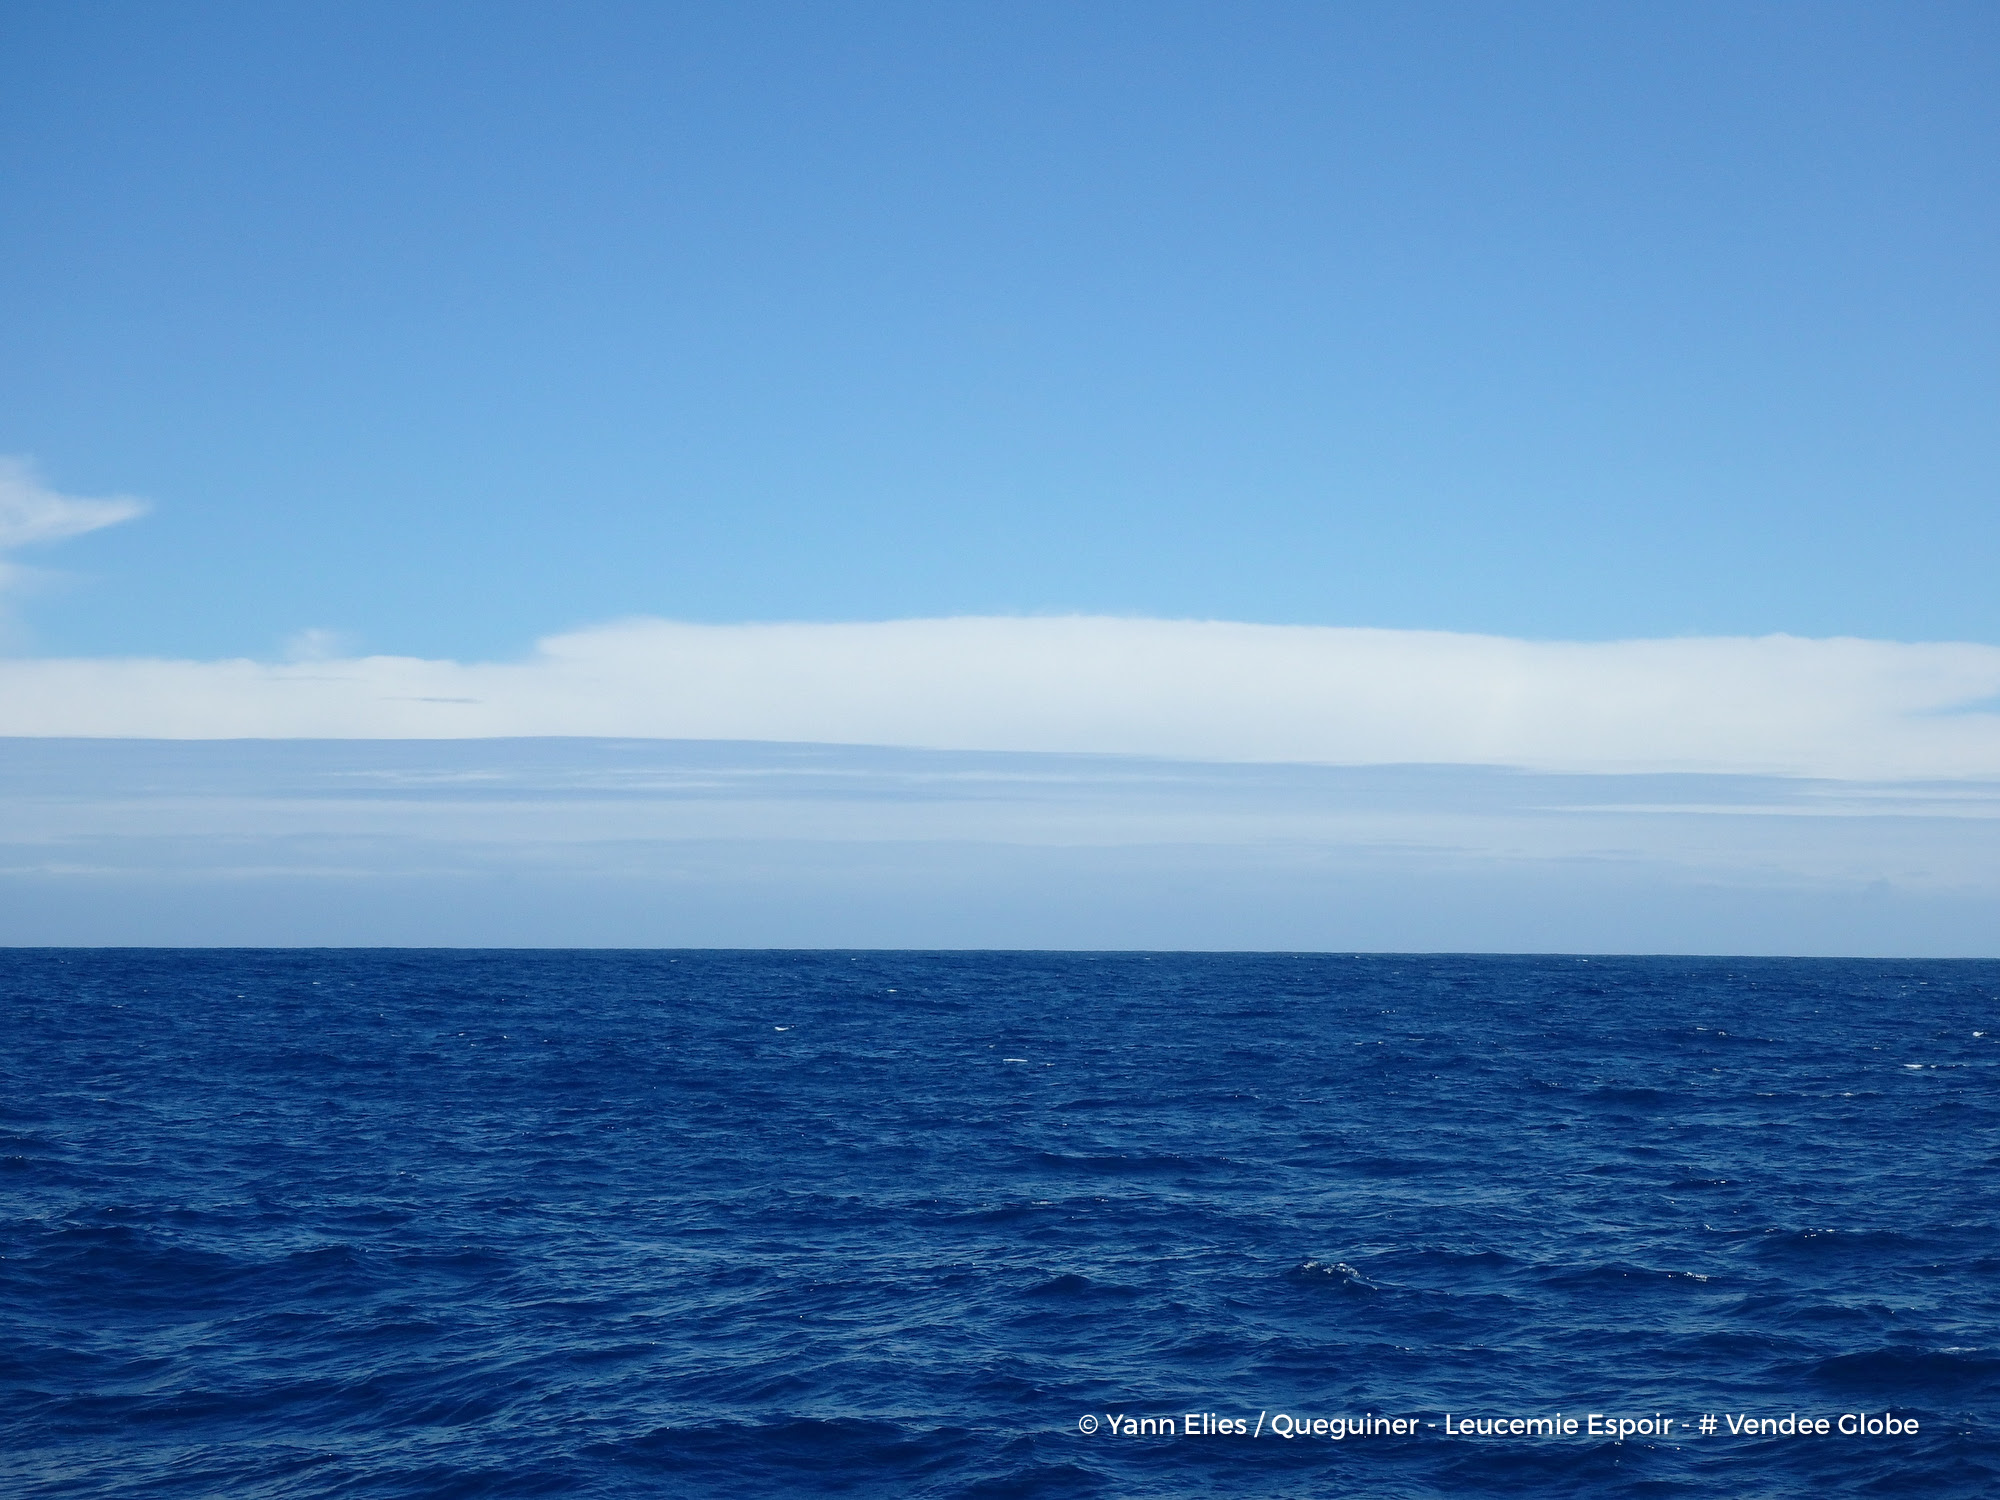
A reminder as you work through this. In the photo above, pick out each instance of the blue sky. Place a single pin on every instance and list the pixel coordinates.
(450, 326)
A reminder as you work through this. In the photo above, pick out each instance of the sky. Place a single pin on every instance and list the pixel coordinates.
(656, 843)
(444, 328)
(1546, 391)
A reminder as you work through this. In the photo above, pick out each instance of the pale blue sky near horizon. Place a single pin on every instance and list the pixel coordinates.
(448, 326)
(663, 843)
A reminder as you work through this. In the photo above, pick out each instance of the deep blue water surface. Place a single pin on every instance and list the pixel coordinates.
(316, 1223)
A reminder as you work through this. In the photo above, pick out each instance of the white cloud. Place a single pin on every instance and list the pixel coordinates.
(31, 512)
(317, 644)
(1195, 689)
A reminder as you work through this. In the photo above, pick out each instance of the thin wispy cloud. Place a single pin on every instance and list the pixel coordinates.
(556, 842)
(318, 644)
(1208, 690)
(32, 514)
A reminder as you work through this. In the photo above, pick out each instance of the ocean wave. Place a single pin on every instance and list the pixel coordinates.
(350, 1235)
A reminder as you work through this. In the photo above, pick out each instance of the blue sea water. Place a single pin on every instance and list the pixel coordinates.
(406, 1223)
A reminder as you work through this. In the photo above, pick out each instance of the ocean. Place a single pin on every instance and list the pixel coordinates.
(296, 1223)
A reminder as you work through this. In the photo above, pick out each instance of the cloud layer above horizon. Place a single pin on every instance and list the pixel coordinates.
(662, 843)
(1202, 690)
